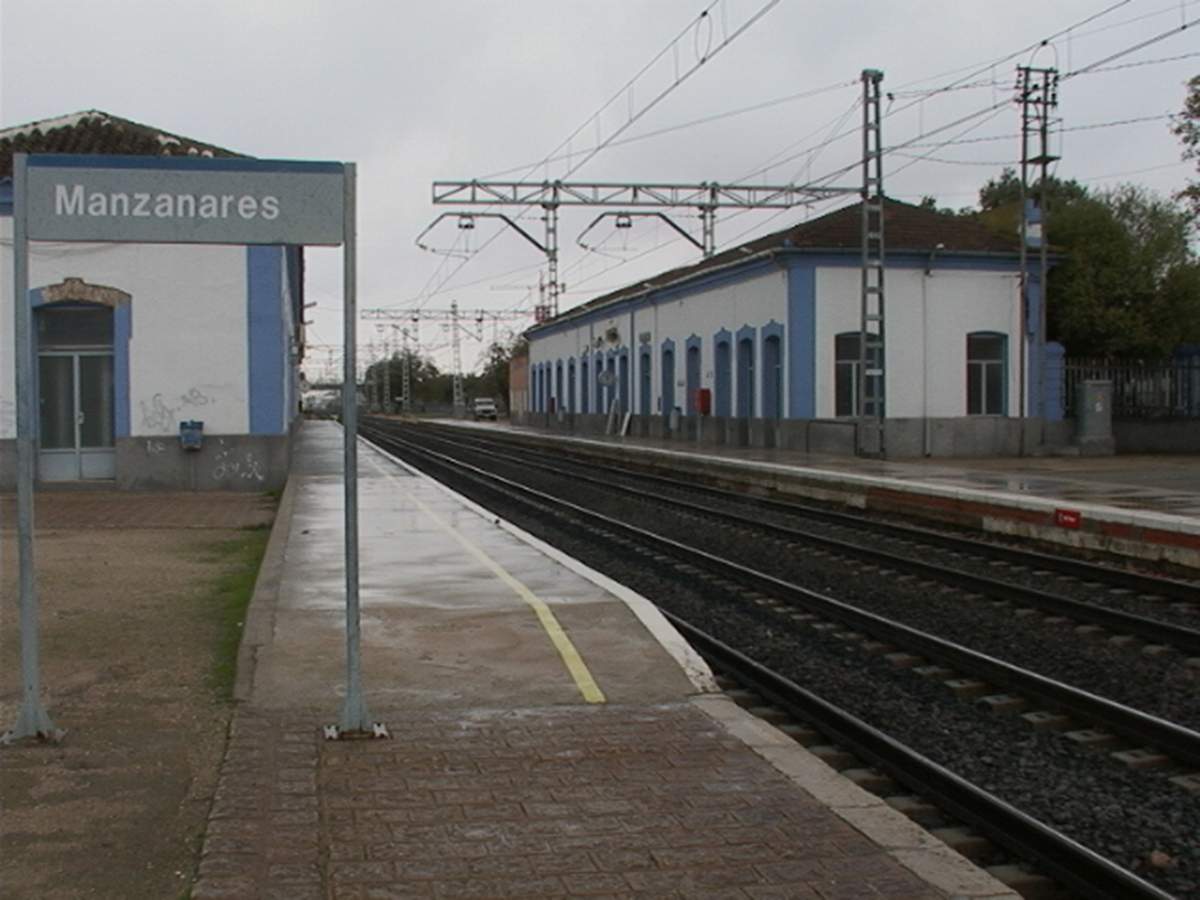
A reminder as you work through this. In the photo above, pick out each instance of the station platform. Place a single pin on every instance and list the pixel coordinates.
(1145, 506)
(551, 734)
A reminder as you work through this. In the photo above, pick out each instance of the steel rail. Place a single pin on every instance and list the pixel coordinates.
(1064, 859)
(1147, 584)
(1153, 630)
(1181, 743)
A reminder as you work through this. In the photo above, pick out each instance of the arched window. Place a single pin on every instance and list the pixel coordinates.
(668, 377)
(623, 379)
(585, 405)
(570, 399)
(644, 381)
(692, 377)
(772, 378)
(558, 385)
(723, 377)
(745, 379)
(986, 375)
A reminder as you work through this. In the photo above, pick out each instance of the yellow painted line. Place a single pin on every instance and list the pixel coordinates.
(570, 656)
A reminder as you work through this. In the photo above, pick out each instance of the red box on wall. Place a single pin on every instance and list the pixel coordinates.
(704, 401)
(1067, 518)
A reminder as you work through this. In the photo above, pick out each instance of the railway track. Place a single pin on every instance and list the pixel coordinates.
(909, 551)
(773, 605)
(1118, 578)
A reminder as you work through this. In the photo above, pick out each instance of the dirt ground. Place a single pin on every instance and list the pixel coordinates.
(130, 630)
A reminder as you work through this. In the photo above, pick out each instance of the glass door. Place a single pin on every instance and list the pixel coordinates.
(76, 427)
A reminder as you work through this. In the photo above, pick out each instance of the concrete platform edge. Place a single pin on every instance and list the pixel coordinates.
(905, 841)
(909, 844)
(1125, 532)
(260, 614)
(692, 664)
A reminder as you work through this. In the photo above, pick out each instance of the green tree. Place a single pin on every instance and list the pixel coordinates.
(426, 380)
(1006, 191)
(1186, 126)
(493, 380)
(1128, 283)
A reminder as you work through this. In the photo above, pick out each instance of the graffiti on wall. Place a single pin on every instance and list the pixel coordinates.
(232, 463)
(161, 416)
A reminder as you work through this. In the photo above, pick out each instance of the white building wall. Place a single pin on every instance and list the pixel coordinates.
(755, 302)
(184, 298)
(927, 320)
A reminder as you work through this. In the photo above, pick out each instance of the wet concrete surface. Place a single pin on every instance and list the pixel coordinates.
(440, 628)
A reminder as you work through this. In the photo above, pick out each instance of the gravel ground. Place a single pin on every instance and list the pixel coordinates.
(1129, 816)
(117, 810)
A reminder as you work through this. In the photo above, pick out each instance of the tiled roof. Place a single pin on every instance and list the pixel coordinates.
(93, 131)
(907, 228)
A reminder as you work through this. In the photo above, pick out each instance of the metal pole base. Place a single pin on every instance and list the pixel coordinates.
(376, 730)
(33, 722)
(356, 721)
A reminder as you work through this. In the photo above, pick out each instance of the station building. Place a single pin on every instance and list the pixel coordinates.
(759, 346)
(136, 343)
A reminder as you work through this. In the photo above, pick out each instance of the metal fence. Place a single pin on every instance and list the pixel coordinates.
(1141, 390)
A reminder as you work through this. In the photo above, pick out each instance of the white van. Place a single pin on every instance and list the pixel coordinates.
(484, 408)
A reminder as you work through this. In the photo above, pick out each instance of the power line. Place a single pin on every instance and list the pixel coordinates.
(1141, 45)
(703, 120)
(1088, 127)
(701, 59)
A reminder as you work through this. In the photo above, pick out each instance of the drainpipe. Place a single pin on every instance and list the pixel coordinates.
(927, 429)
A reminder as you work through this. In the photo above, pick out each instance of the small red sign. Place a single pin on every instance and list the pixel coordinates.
(1067, 518)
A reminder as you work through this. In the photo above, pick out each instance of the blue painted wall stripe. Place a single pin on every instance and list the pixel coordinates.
(180, 163)
(122, 332)
(266, 342)
(802, 342)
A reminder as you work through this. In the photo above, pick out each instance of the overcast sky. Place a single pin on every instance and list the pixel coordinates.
(414, 92)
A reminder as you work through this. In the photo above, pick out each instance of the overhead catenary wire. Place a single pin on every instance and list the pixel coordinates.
(969, 120)
(709, 53)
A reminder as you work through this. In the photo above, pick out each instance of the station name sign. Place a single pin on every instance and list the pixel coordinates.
(184, 200)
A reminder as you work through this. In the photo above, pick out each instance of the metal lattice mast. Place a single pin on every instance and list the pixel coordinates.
(460, 403)
(406, 374)
(872, 366)
(706, 197)
(552, 254)
(386, 374)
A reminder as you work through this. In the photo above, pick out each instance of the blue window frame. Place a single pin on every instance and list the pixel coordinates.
(745, 372)
(692, 378)
(722, 375)
(570, 399)
(623, 379)
(668, 377)
(772, 371)
(644, 381)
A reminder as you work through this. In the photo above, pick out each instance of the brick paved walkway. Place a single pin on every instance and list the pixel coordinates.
(553, 802)
(127, 509)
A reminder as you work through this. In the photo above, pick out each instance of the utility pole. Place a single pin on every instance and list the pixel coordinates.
(872, 380)
(1038, 95)
(460, 403)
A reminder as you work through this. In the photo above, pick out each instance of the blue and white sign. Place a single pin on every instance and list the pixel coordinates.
(184, 200)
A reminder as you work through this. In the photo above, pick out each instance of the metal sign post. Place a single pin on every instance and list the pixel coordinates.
(173, 200)
(32, 719)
